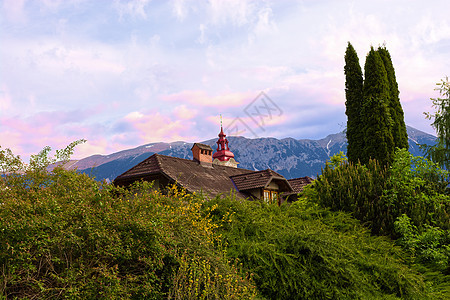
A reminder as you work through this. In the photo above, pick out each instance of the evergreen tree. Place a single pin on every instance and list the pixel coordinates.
(378, 140)
(353, 104)
(395, 108)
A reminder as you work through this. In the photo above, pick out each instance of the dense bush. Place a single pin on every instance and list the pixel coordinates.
(300, 252)
(408, 202)
(377, 196)
(65, 235)
(357, 189)
(431, 245)
(417, 187)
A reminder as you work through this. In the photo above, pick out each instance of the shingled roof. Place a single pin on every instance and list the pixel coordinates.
(188, 173)
(298, 184)
(259, 179)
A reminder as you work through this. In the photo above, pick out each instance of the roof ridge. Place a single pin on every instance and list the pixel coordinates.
(142, 162)
(250, 173)
(272, 172)
(302, 178)
(168, 156)
(158, 162)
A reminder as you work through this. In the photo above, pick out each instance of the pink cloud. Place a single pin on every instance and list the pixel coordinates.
(12, 140)
(156, 127)
(27, 136)
(5, 98)
(14, 10)
(184, 113)
(251, 127)
(98, 146)
(202, 98)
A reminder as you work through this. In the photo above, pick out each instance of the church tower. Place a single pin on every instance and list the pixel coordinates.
(223, 155)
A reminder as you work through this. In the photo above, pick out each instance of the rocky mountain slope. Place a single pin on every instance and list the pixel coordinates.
(289, 157)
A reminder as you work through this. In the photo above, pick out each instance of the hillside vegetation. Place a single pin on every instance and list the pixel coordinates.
(65, 235)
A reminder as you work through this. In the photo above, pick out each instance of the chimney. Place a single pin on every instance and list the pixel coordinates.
(203, 154)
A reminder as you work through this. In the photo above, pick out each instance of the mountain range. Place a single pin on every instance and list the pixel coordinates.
(290, 157)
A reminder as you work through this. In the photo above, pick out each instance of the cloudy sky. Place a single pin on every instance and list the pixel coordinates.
(125, 73)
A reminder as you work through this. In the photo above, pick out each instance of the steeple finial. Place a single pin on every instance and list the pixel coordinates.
(223, 155)
(223, 151)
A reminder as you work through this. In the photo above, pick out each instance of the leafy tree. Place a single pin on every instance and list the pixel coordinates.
(416, 187)
(378, 139)
(440, 153)
(353, 104)
(395, 108)
(65, 235)
(9, 163)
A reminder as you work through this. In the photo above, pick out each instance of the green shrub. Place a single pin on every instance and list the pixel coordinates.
(356, 189)
(64, 235)
(408, 201)
(431, 245)
(417, 187)
(300, 251)
(378, 196)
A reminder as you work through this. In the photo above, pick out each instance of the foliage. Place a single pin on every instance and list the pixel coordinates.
(377, 120)
(353, 104)
(354, 188)
(300, 251)
(398, 129)
(337, 160)
(408, 201)
(416, 192)
(9, 163)
(65, 235)
(440, 153)
(417, 187)
(378, 196)
(431, 245)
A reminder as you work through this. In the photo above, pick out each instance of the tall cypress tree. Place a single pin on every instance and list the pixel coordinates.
(395, 108)
(353, 104)
(378, 140)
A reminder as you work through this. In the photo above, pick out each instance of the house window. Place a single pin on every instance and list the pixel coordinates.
(270, 196)
(267, 196)
(274, 196)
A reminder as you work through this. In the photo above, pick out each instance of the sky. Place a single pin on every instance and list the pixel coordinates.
(126, 73)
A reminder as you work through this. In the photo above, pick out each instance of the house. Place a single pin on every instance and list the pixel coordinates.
(214, 175)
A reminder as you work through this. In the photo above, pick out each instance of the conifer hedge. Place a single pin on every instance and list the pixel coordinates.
(375, 119)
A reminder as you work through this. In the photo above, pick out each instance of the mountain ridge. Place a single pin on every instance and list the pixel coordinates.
(288, 156)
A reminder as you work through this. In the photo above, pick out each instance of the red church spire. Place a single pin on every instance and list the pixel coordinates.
(223, 151)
